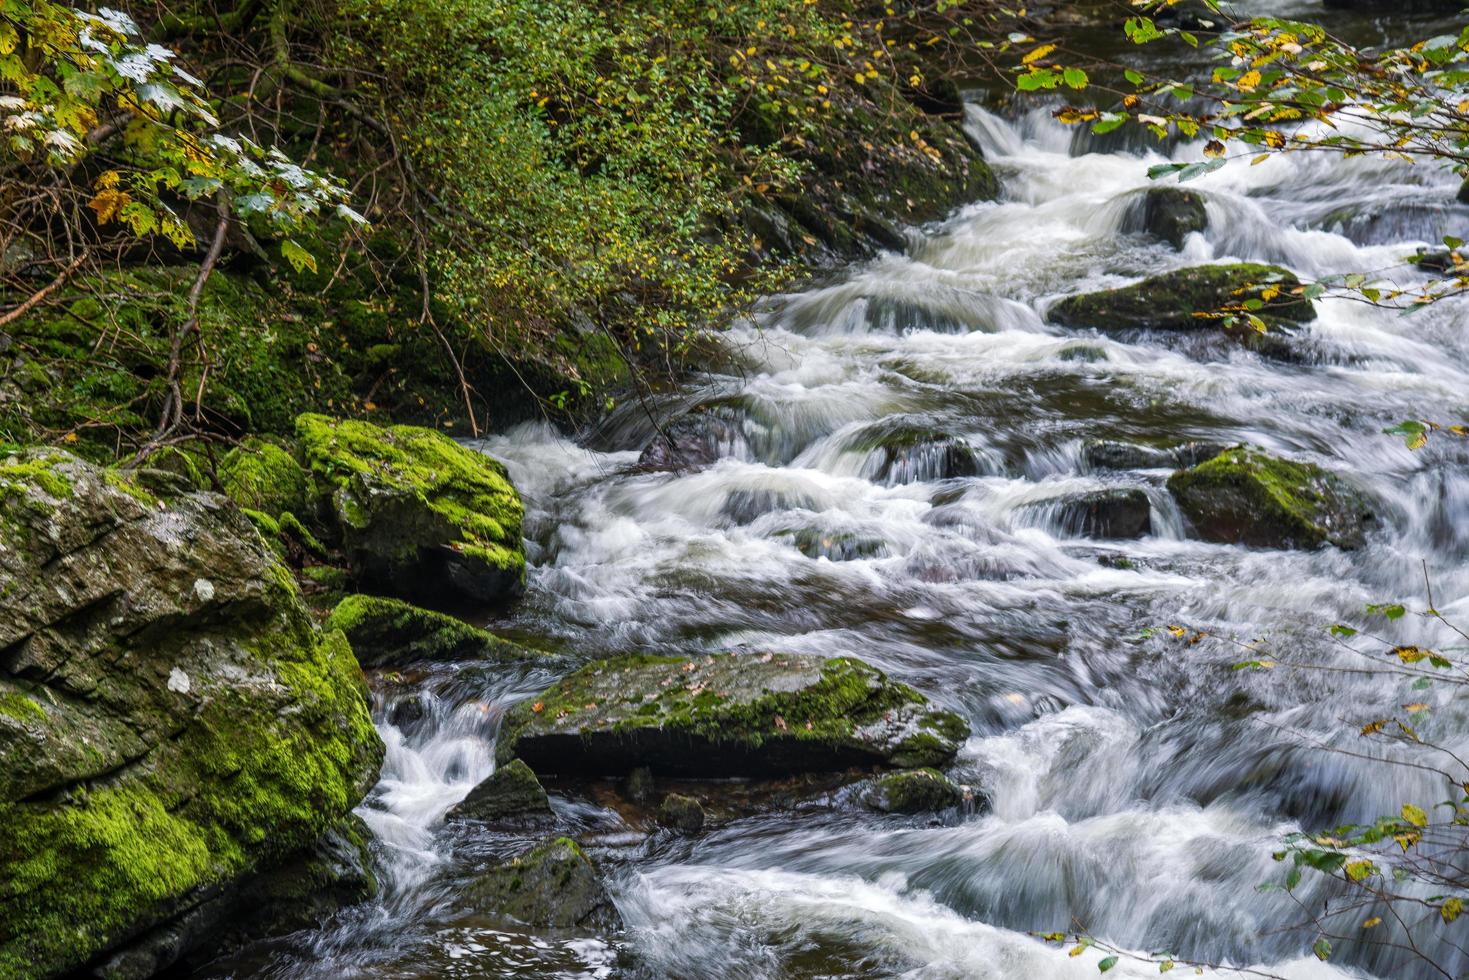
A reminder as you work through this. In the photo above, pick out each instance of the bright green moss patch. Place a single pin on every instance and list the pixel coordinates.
(1247, 496)
(260, 475)
(21, 708)
(391, 631)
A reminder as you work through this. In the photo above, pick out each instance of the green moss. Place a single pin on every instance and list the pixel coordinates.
(1247, 496)
(261, 475)
(1185, 299)
(20, 707)
(20, 475)
(913, 791)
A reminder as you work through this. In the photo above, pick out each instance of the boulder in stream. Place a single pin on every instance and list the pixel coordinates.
(171, 720)
(1171, 301)
(554, 886)
(681, 813)
(1173, 213)
(728, 715)
(391, 633)
(1105, 454)
(1113, 512)
(700, 437)
(1247, 496)
(418, 514)
(512, 790)
(913, 791)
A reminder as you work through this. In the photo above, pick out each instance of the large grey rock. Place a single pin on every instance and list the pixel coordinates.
(171, 720)
(728, 715)
(511, 791)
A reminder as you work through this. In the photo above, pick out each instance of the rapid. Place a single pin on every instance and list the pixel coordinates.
(1136, 785)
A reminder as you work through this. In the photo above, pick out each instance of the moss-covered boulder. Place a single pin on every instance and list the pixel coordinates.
(418, 514)
(391, 632)
(1247, 496)
(728, 715)
(914, 791)
(1175, 300)
(261, 474)
(511, 791)
(171, 720)
(554, 886)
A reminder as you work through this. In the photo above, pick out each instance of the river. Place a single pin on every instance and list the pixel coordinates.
(1136, 785)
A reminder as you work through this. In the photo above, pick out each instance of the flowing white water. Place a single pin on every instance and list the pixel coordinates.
(1137, 787)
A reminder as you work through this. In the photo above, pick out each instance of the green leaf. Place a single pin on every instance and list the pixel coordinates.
(1415, 815)
(1322, 949)
(1111, 961)
(296, 255)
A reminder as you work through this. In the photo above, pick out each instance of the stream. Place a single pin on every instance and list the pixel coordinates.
(1136, 784)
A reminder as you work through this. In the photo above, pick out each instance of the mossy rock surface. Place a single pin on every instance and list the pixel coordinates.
(171, 720)
(1247, 496)
(681, 813)
(914, 791)
(728, 715)
(512, 790)
(418, 514)
(391, 632)
(1171, 301)
(554, 886)
(264, 475)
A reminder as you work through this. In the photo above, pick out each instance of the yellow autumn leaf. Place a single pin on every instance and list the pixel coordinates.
(1248, 82)
(1374, 921)
(1037, 54)
(1410, 655)
(1415, 707)
(1214, 148)
(108, 203)
(1415, 815)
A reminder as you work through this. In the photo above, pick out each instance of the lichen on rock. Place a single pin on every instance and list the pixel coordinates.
(417, 513)
(174, 720)
(728, 715)
(1247, 496)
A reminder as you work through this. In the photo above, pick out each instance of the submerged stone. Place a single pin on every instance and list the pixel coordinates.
(698, 438)
(682, 813)
(1247, 496)
(554, 886)
(915, 791)
(728, 715)
(1115, 512)
(391, 632)
(418, 514)
(1109, 455)
(171, 720)
(1171, 301)
(813, 542)
(512, 790)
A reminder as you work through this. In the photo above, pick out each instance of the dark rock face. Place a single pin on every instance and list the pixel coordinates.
(728, 715)
(1106, 455)
(1246, 496)
(555, 886)
(1173, 213)
(512, 790)
(391, 632)
(418, 514)
(1169, 301)
(681, 813)
(1442, 260)
(697, 439)
(836, 545)
(1122, 512)
(915, 791)
(171, 721)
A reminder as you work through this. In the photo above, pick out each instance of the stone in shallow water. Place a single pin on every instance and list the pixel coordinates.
(1173, 213)
(682, 813)
(915, 791)
(512, 790)
(1247, 496)
(554, 886)
(1110, 455)
(1117, 512)
(703, 436)
(728, 715)
(1171, 300)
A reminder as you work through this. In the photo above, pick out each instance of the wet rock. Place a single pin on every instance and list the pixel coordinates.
(418, 514)
(1247, 496)
(699, 438)
(639, 785)
(171, 720)
(1109, 455)
(1114, 512)
(1173, 213)
(835, 545)
(391, 633)
(1171, 300)
(728, 715)
(915, 791)
(1443, 261)
(1463, 196)
(554, 886)
(512, 790)
(746, 506)
(682, 813)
